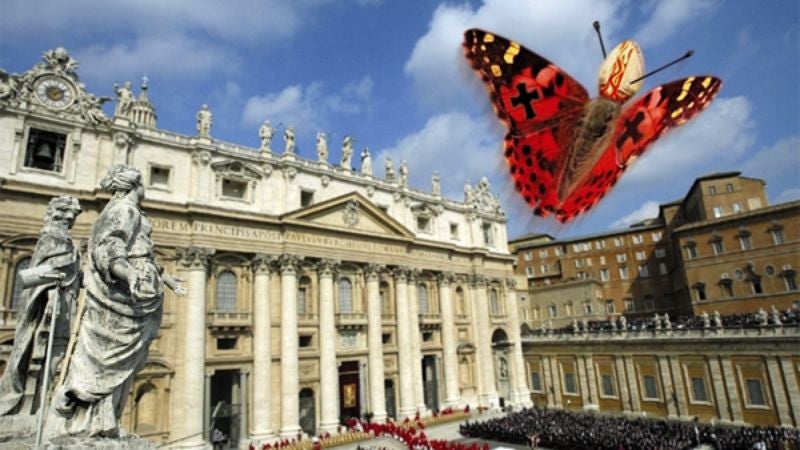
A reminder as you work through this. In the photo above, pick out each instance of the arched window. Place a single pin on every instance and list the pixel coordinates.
(146, 409)
(494, 303)
(422, 298)
(226, 291)
(16, 293)
(303, 290)
(345, 296)
(461, 305)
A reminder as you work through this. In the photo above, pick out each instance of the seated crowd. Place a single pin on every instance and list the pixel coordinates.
(558, 429)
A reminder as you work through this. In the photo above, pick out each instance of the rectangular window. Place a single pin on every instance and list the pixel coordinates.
(586, 246)
(691, 251)
(640, 256)
(544, 268)
(629, 305)
(587, 308)
(488, 234)
(582, 276)
(655, 236)
(304, 340)
(226, 343)
(637, 239)
(755, 393)
(234, 188)
(579, 262)
(424, 224)
(717, 211)
(604, 275)
(454, 234)
(717, 247)
(602, 260)
(528, 256)
(599, 245)
(729, 187)
(608, 385)
(306, 197)
(622, 257)
(756, 285)
(737, 207)
(777, 236)
(45, 150)
(558, 251)
(699, 393)
(662, 268)
(619, 241)
(159, 177)
(744, 242)
(623, 273)
(712, 190)
(649, 303)
(650, 387)
(552, 310)
(536, 382)
(529, 271)
(701, 292)
(643, 271)
(610, 307)
(791, 281)
(576, 248)
(661, 253)
(543, 253)
(588, 262)
(569, 384)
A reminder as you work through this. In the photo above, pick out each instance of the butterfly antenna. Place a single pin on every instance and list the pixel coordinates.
(596, 25)
(686, 56)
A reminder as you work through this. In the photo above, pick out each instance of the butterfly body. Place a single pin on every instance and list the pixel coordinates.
(564, 149)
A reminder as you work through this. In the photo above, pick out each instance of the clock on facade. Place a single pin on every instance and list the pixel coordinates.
(54, 92)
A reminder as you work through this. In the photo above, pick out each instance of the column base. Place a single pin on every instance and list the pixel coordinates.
(290, 433)
(403, 413)
(380, 417)
(193, 445)
(266, 436)
(492, 401)
(328, 427)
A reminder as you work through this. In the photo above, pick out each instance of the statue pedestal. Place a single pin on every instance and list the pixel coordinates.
(14, 430)
(124, 443)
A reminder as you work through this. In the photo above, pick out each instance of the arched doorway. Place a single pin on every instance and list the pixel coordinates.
(308, 411)
(501, 349)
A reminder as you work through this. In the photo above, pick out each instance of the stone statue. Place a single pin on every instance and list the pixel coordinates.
(706, 320)
(90, 108)
(623, 322)
(366, 162)
(9, 85)
(347, 152)
(469, 195)
(613, 324)
(54, 252)
(204, 121)
(776, 316)
(576, 327)
(717, 320)
(585, 324)
(436, 186)
(667, 322)
(404, 173)
(389, 169)
(265, 132)
(124, 99)
(322, 147)
(763, 317)
(125, 291)
(657, 321)
(288, 139)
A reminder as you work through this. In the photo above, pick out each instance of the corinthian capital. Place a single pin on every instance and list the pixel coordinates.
(328, 267)
(401, 273)
(373, 271)
(511, 283)
(288, 263)
(263, 263)
(445, 278)
(194, 257)
(478, 281)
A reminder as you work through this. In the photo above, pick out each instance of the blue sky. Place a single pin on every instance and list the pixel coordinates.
(392, 74)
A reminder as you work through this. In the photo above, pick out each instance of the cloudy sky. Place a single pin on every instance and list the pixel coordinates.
(392, 74)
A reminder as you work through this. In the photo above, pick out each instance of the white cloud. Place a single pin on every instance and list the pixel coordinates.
(776, 161)
(665, 17)
(561, 31)
(308, 108)
(648, 210)
(788, 195)
(458, 146)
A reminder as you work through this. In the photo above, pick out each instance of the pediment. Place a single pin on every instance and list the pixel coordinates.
(236, 169)
(351, 212)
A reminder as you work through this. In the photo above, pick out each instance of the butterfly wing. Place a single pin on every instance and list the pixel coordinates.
(638, 126)
(540, 104)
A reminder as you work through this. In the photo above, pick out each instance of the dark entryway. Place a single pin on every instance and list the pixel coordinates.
(430, 381)
(388, 388)
(226, 404)
(308, 412)
(349, 390)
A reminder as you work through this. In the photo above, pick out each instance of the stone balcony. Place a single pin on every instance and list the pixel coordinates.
(229, 319)
(351, 320)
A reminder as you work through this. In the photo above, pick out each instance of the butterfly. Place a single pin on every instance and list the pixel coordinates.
(566, 151)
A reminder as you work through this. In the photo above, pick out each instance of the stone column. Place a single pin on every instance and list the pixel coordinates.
(377, 397)
(591, 380)
(328, 371)
(720, 398)
(678, 385)
(549, 389)
(244, 427)
(733, 393)
(262, 349)
(669, 390)
(488, 395)
(583, 382)
(792, 387)
(452, 394)
(555, 378)
(201, 176)
(416, 342)
(520, 395)
(207, 406)
(194, 262)
(407, 400)
(623, 383)
(290, 424)
(633, 384)
(776, 380)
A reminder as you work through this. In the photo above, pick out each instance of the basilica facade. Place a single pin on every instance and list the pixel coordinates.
(316, 291)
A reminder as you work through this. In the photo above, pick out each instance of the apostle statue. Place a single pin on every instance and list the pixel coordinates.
(366, 162)
(121, 315)
(347, 152)
(204, 121)
(54, 253)
(288, 139)
(389, 169)
(404, 173)
(124, 99)
(436, 184)
(265, 133)
(322, 146)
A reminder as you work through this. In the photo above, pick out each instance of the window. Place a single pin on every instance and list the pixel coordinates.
(494, 303)
(552, 310)
(558, 251)
(661, 253)
(729, 187)
(717, 247)
(602, 260)
(424, 224)
(306, 197)
(576, 248)
(536, 382)
(386, 338)
(45, 150)
(769, 270)
(655, 236)
(738, 274)
(755, 284)
(568, 309)
(637, 239)
(234, 188)
(650, 387)
(640, 256)
(619, 241)
(16, 292)
(712, 190)
(303, 288)
(604, 275)
(599, 245)
(345, 296)
(543, 268)
(226, 291)
(304, 340)
(737, 207)
(488, 234)
(790, 280)
(454, 233)
(662, 268)
(649, 303)
(422, 298)
(543, 253)
(427, 336)
(727, 287)
(744, 242)
(528, 256)
(569, 383)
(582, 275)
(610, 307)
(691, 251)
(622, 257)
(587, 308)
(588, 262)
(159, 177)
(699, 393)
(226, 343)
(777, 235)
(643, 272)
(629, 305)
(717, 211)
(529, 271)
(586, 246)
(607, 384)
(755, 393)
(579, 262)
(700, 291)
(623, 273)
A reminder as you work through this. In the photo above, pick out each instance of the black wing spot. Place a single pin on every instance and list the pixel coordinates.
(526, 150)
(559, 79)
(532, 177)
(542, 189)
(529, 162)
(509, 151)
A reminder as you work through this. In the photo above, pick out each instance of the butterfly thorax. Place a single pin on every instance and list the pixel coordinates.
(590, 139)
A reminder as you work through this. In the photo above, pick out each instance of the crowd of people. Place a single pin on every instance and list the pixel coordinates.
(774, 317)
(558, 429)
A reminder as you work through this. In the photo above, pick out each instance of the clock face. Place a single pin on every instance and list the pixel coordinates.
(54, 92)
